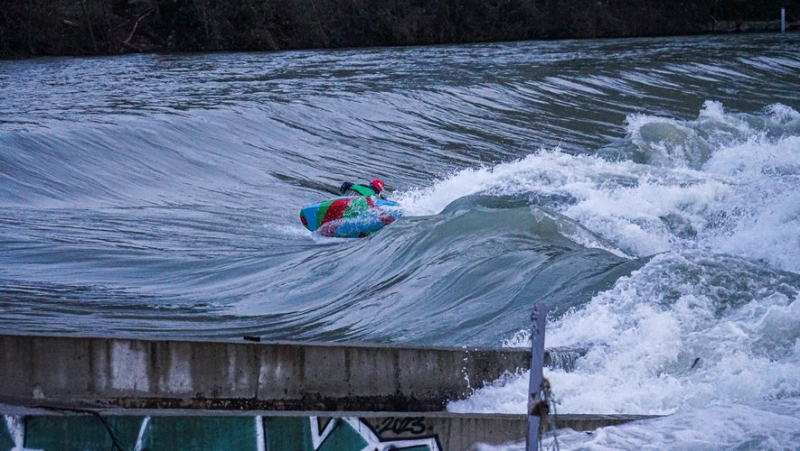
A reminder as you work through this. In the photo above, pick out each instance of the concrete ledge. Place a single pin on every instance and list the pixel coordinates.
(230, 375)
(103, 393)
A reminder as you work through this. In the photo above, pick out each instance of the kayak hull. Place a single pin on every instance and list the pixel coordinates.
(349, 217)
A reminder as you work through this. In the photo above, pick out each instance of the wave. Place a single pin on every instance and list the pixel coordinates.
(712, 316)
(474, 269)
(477, 244)
(741, 200)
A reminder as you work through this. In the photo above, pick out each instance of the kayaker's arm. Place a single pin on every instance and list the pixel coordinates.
(345, 187)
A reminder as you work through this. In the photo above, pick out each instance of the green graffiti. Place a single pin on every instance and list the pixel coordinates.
(334, 434)
(278, 433)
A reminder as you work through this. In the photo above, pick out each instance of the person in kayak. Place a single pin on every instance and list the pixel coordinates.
(375, 188)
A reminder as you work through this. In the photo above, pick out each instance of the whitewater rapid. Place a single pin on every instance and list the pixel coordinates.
(645, 190)
(713, 317)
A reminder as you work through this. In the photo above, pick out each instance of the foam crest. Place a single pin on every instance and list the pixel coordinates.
(641, 210)
(735, 190)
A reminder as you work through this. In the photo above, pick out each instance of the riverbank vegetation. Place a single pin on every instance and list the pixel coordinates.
(101, 27)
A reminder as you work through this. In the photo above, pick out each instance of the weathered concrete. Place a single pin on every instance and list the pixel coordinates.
(104, 393)
(196, 429)
(246, 375)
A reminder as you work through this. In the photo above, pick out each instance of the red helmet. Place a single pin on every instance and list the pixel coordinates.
(377, 184)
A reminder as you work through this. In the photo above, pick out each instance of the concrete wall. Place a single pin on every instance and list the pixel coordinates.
(246, 375)
(66, 393)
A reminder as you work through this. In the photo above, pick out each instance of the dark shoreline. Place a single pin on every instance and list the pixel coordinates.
(112, 27)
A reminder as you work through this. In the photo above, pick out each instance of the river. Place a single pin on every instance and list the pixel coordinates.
(646, 190)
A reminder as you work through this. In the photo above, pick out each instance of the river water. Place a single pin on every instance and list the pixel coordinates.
(646, 190)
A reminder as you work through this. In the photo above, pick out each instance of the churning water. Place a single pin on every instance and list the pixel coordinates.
(647, 191)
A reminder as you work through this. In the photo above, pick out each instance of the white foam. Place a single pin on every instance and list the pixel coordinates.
(694, 327)
(742, 199)
(764, 206)
(645, 334)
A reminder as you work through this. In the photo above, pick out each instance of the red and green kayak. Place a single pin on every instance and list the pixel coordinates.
(350, 217)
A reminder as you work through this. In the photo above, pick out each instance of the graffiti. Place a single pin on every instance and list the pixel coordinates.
(256, 433)
(365, 437)
(140, 438)
(15, 437)
(261, 445)
(415, 425)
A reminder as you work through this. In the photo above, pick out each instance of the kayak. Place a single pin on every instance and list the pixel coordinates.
(350, 216)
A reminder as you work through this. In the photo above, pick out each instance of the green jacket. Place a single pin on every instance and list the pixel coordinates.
(353, 189)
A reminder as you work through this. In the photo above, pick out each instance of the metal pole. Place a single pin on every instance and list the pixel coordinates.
(537, 362)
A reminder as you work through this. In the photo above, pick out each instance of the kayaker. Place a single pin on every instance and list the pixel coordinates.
(375, 188)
